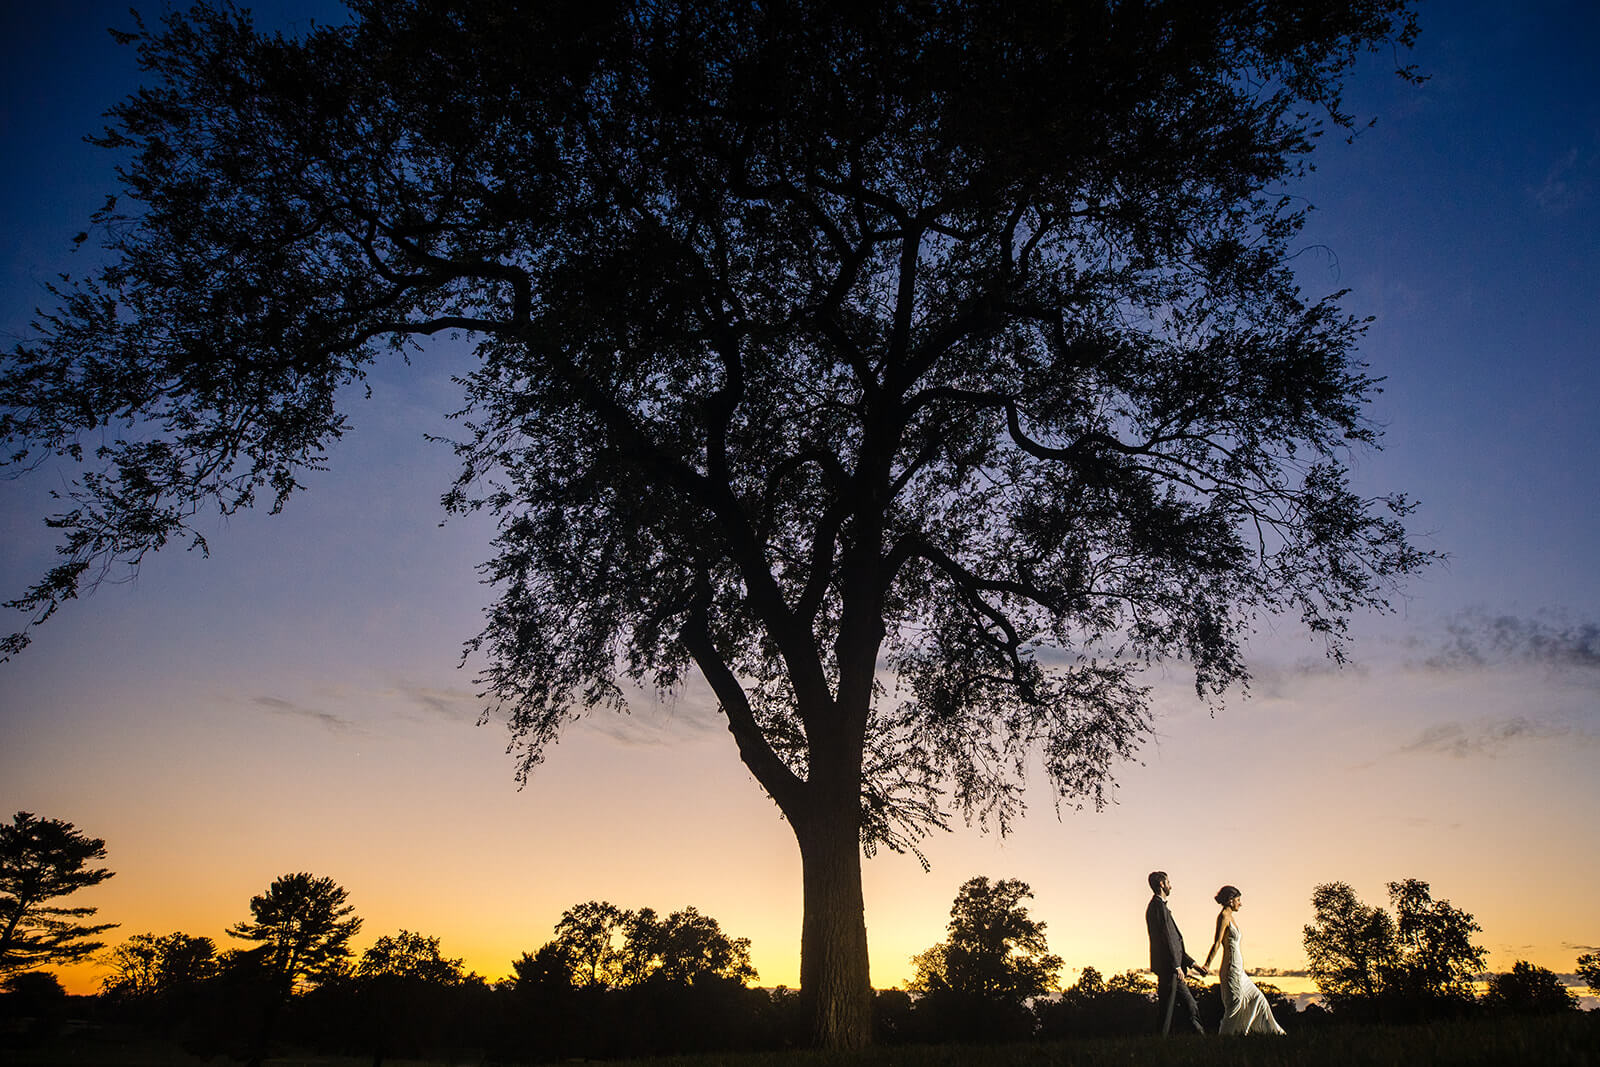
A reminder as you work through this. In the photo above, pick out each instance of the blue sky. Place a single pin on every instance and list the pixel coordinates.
(294, 701)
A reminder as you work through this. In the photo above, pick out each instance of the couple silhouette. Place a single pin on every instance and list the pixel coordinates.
(1244, 1008)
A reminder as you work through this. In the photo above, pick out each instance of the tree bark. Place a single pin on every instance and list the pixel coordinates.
(834, 976)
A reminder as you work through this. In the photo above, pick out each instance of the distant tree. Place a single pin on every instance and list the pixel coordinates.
(1529, 990)
(686, 947)
(402, 986)
(147, 965)
(1351, 947)
(551, 966)
(1589, 971)
(591, 936)
(1138, 983)
(995, 959)
(410, 956)
(42, 860)
(303, 925)
(1438, 963)
(36, 996)
(551, 1014)
(1420, 962)
(817, 341)
(1095, 1006)
(132, 967)
(1088, 986)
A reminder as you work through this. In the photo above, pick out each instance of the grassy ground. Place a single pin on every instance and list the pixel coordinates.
(1571, 1041)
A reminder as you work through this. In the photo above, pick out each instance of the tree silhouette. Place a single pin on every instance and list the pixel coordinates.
(398, 982)
(410, 956)
(1438, 962)
(819, 343)
(995, 959)
(1350, 947)
(303, 926)
(1420, 962)
(42, 860)
(605, 946)
(1589, 971)
(147, 965)
(1095, 1006)
(687, 948)
(1529, 990)
(590, 936)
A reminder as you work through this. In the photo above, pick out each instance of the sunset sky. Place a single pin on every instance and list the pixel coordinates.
(294, 701)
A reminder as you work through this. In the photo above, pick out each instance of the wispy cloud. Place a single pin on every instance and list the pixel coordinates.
(657, 720)
(1563, 187)
(1487, 737)
(455, 705)
(289, 709)
(1477, 638)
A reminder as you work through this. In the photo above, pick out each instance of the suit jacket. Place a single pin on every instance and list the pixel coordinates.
(1166, 944)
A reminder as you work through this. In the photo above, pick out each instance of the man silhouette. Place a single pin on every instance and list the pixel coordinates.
(1168, 961)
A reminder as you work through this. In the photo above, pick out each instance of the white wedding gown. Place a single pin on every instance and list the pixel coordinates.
(1244, 1009)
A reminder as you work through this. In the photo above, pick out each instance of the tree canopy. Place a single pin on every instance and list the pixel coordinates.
(1527, 989)
(1417, 961)
(600, 945)
(917, 373)
(1589, 971)
(42, 860)
(995, 950)
(147, 965)
(409, 956)
(303, 926)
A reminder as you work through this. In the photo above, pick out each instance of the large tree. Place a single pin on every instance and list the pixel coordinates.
(1351, 947)
(302, 926)
(41, 861)
(977, 983)
(995, 950)
(147, 965)
(1421, 961)
(1439, 964)
(916, 372)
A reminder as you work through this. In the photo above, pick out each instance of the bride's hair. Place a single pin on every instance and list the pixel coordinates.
(1227, 893)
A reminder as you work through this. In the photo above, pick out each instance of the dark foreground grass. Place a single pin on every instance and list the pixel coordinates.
(1567, 1041)
(1572, 1041)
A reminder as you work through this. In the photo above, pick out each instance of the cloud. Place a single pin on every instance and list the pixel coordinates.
(1476, 638)
(1563, 187)
(1487, 737)
(289, 709)
(455, 705)
(657, 720)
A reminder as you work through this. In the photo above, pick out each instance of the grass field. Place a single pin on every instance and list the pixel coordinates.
(1568, 1041)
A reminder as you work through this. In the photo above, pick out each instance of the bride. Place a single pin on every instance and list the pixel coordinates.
(1244, 1009)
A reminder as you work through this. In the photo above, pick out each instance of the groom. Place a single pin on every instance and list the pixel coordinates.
(1168, 961)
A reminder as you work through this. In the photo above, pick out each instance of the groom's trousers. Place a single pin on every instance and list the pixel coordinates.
(1172, 993)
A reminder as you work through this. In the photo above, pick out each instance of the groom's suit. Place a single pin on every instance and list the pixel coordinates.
(1168, 961)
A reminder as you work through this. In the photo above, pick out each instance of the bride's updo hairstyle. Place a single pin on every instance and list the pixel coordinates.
(1226, 894)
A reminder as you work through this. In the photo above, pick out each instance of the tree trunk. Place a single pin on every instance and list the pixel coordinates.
(833, 936)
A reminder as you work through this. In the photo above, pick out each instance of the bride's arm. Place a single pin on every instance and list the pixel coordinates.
(1216, 942)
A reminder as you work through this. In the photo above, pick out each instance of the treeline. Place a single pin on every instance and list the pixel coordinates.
(614, 982)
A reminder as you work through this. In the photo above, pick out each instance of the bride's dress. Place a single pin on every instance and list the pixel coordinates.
(1244, 1009)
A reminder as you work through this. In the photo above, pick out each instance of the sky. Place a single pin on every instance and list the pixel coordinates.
(296, 700)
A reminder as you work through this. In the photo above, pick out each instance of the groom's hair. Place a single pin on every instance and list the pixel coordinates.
(1156, 878)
